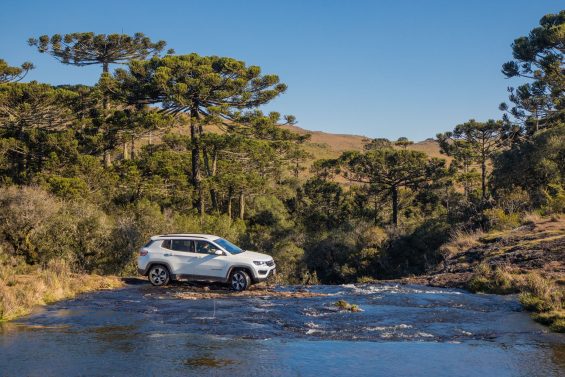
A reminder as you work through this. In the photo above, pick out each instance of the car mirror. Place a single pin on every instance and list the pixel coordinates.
(218, 252)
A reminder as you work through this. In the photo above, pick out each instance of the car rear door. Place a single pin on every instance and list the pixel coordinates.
(180, 255)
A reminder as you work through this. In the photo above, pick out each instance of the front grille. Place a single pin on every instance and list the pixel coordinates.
(271, 263)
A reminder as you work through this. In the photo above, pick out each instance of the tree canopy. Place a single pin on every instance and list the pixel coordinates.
(539, 58)
(88, 48)
(13, 74)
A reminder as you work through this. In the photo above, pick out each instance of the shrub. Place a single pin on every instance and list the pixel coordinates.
(541, 294)
(24, 212)
(78, 233)
(498, 219)
(487, 279)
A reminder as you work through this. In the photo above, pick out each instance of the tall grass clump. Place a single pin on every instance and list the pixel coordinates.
(546, 299)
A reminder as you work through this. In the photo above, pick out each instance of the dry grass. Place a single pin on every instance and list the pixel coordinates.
(546, 298)
(462, 241)
(531, 218)
(499, 280)
(20, 293)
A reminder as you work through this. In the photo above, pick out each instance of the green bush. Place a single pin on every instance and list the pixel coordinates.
(498, 219)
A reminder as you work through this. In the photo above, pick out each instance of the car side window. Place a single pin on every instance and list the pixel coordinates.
(182, 245)
(204, 247)
(166, 244)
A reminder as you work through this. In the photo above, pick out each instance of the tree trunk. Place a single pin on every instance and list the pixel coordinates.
(241, 205)
(195, 152)
(132, 153)
(125, 150)
(107, 158)
(484, 179)
(209, 173)
(376, 216)
(394, 194)
(230, 197)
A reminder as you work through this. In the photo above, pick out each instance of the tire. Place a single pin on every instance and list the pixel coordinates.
(240, 280)
(159, 275)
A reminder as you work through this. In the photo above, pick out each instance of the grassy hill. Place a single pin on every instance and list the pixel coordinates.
(334, 144)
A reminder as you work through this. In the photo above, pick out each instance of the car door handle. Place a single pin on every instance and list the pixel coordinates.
(168, 255)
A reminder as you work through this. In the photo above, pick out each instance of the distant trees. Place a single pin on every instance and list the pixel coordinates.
(387, 171)
(403, 142)
(474, 142)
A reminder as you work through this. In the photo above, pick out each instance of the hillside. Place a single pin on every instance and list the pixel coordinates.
(328, 145)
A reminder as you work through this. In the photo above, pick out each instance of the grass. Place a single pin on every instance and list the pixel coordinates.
(23, 287)
(498, 280)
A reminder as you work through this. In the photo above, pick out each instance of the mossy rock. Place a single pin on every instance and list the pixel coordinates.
(344, 305)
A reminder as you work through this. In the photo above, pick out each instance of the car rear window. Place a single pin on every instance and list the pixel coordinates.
(182, 245)
(151, 242)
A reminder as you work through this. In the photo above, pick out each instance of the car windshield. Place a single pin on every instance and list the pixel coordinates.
(228, 246)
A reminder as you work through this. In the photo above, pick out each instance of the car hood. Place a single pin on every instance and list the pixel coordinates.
(255, 256)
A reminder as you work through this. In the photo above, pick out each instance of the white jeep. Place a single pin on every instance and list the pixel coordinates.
(202, 257)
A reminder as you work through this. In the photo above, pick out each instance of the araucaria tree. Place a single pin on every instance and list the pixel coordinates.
(209, 89)
(539, 58)
(97, 49)
(476, 142)
(28, 113)
(13, 74)
(88, 48)
(387, 171)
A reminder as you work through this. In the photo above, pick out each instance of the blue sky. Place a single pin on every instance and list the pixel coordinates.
(375, 68)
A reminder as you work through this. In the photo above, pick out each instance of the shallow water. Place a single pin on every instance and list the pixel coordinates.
(402, 331)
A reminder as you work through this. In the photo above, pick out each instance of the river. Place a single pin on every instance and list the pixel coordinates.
(402, 331)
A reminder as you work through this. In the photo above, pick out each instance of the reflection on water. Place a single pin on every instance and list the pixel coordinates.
(403, 330)
(208, 362)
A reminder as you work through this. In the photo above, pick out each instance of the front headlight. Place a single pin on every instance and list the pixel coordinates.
(259, 263)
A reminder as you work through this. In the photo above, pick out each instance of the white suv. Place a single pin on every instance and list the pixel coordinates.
(202, 257)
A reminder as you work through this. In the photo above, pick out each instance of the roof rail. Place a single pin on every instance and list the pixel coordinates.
(181, 235)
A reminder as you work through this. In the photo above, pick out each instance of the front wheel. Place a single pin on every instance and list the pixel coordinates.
(240, 280)
(159, 275)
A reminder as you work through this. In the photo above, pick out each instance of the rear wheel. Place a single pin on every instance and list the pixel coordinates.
(159, 275)
(240, 280)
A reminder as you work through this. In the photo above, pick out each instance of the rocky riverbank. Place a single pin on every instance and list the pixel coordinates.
(529, 260)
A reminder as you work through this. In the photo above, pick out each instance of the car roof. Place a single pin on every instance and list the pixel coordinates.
(209, 237)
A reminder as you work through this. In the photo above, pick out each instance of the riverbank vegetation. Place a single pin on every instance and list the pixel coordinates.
(178, 143)
(23, 287)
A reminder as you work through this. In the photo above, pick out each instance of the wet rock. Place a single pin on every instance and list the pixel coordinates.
(188, 292)
(344, 305)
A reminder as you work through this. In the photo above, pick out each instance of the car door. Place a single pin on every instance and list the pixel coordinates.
(180, 255)
(208, 263)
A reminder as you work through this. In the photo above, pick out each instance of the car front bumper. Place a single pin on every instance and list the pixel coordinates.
(265, 274)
